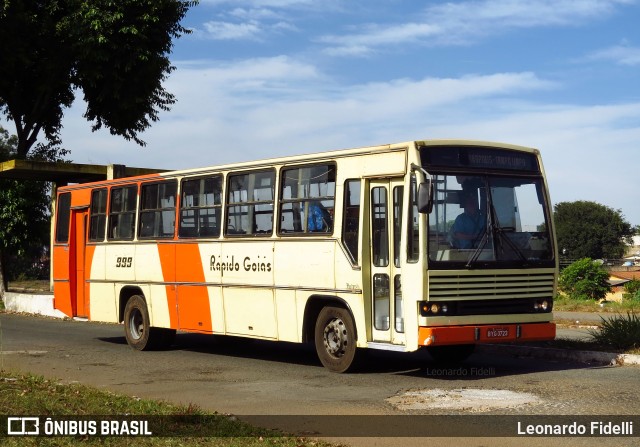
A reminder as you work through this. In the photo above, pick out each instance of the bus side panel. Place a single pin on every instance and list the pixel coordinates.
(89, 252)
(303, 267)
(104, 304)
(120, 263)
(286, 314)
(351, 279)
(62, 280)
(154, 264)
(209, 257)
(247, 279)
(194, 310)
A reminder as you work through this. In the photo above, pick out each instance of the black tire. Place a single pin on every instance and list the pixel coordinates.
(451, 355)
(335, 339)
(137, 328)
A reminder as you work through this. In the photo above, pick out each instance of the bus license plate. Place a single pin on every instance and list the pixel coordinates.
(498, 332)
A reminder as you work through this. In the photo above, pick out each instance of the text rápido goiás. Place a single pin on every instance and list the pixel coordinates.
(229, 264)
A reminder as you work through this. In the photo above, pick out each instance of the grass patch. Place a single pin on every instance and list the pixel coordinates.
(29, 285)
(36, 396)
(562, 303)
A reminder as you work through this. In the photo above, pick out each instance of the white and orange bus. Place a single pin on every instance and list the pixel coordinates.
(437, 244)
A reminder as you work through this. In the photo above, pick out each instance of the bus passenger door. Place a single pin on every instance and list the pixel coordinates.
(385, 231)
(77, 240)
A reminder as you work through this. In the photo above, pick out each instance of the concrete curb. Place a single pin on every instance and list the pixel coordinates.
(589, 357)
(38, 304)
(42, 304)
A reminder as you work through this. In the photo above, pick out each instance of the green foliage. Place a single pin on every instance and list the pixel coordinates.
(622, 332)
(590, 230)
(584, 280)
(117, 53)
(632, 290)
(24, 215)
(186, 425)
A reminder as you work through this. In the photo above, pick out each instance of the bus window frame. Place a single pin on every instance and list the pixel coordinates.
(155, 211)
(98, 214)
(63, 212)
(220, 206)
(227, 204)
(346, 219)
(134, 212)
(281, 201)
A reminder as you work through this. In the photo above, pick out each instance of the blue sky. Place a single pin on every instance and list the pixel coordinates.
(262, 78)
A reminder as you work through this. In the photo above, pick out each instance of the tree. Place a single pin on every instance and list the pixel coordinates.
(116, 52)
(590, 230)
(24, 212)
(585, 279)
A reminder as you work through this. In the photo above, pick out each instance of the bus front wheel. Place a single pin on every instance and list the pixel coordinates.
(335, 339)
(137, 327)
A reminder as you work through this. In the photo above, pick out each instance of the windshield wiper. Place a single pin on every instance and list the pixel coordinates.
(501, 232)
(499, 236)
(485, 237)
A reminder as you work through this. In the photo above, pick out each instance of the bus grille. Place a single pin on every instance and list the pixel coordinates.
(491, 294)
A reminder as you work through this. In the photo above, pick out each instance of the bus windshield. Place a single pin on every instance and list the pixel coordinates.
(484, 220)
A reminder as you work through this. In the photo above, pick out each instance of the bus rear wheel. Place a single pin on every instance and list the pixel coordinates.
(335, 339)
(137, 327)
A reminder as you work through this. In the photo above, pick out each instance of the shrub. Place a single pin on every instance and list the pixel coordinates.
(622, 332)
(632, 290)
(585, 279)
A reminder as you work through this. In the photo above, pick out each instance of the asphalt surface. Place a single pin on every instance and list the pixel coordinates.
(251, 377)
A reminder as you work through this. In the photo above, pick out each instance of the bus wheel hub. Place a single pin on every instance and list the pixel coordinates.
(335, 337)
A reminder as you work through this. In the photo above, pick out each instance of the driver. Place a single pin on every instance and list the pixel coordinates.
(469, 225)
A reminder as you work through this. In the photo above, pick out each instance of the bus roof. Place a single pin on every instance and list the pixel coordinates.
(304, 158)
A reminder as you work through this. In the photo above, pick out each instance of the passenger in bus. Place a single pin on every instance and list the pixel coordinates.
(468, 226)
(319, 218)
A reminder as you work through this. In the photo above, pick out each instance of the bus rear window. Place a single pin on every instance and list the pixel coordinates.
(62, 219)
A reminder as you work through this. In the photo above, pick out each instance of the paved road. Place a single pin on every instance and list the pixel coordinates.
(263, 378)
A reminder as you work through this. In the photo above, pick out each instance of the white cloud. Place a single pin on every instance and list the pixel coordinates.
(254, 13)
(278, 106)
(286, 104)
(232, 31)
(467, 21)
(260, 3)
(619, 54)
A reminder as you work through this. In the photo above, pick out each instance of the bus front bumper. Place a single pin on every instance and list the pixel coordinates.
(490, 333)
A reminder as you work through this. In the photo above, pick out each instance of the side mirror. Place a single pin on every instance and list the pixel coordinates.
(425, 197)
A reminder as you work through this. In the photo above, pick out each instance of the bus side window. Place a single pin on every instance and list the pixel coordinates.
(413, 235)
(307, 199)
(158, 210)
(200, 207)
(98, 215)
(250, 199)
(122, 212)
(351, 218)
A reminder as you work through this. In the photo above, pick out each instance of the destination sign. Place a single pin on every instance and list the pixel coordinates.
(478, 158)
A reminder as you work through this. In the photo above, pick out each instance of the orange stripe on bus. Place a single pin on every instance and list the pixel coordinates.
(494, 333)
(194, 311)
